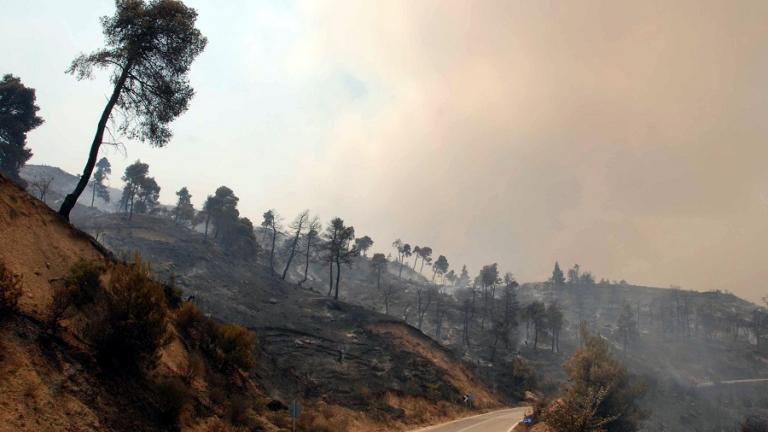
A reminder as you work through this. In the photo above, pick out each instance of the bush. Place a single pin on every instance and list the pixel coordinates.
(134, 324)
(234, 347)
(10, 290)
(230, 346)
(84, 282)
(192, 323)
(171, 395)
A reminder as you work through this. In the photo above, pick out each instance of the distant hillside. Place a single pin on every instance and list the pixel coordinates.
(64, 183)
(684, 338)
(716, 344)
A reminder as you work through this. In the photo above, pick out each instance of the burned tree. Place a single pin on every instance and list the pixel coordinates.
(98, 188)
(363, 244)
(378, 267)
(555, 323)
(297, 226)
(184, 211)
(338, 239)
(41, 185)
(313, 230)
(271, 221)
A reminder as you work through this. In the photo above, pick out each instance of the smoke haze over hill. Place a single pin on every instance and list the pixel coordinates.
(629, 138)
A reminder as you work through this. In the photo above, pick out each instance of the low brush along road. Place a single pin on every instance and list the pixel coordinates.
(496, 421)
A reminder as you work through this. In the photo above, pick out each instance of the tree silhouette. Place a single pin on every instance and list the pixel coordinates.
(18, 115)
(416, 255)
(271, 221)
(313, 230)
(363, 244)
(136, 183)
(557, 275)
(440, 267)
(379, 265)
(147, 195)
(337, 244)
(184, 210)
(574, 275)
(149, 48)
(103, 170)
(555, 322)
(297, 226)
(535, 314)
(426, 256)
(221, 210)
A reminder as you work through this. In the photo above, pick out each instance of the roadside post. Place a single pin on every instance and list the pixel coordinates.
(295, 411)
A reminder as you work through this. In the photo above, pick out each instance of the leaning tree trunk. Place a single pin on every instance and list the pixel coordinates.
(293, 252)
(338, 277)
(306, 263)
(93, 195)
(553, 340)
(272, 252)
(71, 199)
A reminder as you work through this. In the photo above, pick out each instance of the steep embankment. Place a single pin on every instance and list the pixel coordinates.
(352, 369)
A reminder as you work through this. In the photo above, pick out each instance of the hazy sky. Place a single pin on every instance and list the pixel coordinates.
(629, 137)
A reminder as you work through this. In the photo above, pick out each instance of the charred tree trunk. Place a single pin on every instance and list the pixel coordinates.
(272, 251)
(306, 257)
(338, 277)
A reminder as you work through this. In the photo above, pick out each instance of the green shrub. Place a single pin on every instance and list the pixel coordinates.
(134, 323)
(10, 290)
(84, 282)
(171, 396)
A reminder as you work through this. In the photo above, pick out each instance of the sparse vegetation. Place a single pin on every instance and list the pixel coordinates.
(133, 324)
(231, 347)
(84, 282)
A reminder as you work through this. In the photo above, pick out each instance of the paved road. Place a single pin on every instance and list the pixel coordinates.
(496, 421)
(739, 381)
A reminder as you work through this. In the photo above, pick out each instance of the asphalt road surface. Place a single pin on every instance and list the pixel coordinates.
(496, 421)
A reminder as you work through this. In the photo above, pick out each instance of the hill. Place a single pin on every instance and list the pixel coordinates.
(351, 368)
(685, 338)
(62, 183)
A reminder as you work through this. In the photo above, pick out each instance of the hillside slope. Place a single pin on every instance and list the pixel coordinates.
(351, 368)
